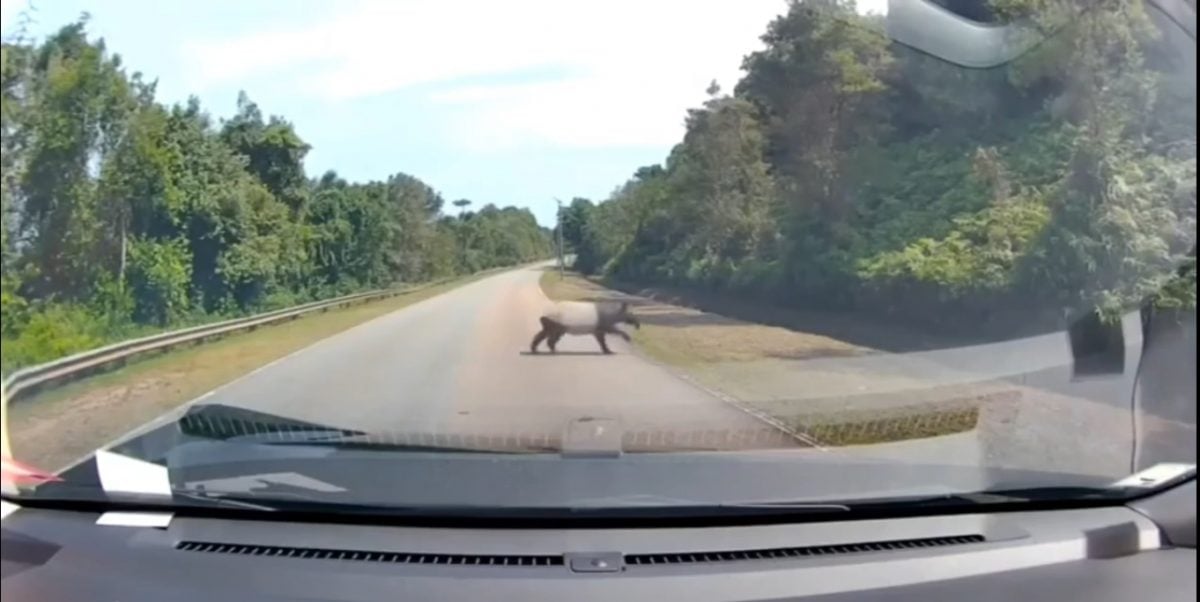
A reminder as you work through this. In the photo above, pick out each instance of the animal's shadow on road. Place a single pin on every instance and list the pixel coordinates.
(569, 353)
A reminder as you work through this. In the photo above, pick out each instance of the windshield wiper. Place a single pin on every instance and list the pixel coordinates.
(1024, 495)
(948, 500)
(297, 502)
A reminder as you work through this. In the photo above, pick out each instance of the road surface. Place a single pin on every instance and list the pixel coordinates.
(459, 364)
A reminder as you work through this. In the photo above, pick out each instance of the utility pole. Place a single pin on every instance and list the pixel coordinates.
(561, 261)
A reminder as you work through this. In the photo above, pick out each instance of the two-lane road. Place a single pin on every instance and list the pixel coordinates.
(459, 364)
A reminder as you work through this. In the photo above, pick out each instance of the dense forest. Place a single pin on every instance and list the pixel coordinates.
(847, 171)
(124, 215)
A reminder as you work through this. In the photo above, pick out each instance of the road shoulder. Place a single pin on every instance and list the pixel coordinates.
(53, 428)
(863, 400)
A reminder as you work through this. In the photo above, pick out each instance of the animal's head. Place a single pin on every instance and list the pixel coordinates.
(628, 317)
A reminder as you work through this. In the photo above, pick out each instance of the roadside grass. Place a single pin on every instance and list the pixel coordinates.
(723, 353)
(52, 428)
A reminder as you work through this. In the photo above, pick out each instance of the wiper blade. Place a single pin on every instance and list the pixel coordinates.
(999, 496)
(641, 503)
(971, 498)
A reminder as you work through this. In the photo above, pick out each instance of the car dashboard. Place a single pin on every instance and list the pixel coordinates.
(1144, 550)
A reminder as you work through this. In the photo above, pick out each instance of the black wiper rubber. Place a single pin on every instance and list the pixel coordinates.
(1000, 496)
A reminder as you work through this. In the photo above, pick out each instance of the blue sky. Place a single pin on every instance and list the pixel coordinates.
(513, 103)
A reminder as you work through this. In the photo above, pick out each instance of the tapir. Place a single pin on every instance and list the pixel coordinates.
(597, 318)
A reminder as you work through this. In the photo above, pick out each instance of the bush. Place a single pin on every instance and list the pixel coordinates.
(53, 332)
(159, 274)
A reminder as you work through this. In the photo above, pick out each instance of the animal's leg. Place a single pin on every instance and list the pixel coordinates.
(600, 339)
(537, 340)
(554, 338)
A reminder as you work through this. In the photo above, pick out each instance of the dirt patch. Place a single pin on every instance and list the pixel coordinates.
(50, 430)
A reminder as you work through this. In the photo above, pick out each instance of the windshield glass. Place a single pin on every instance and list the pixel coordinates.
(409, 256)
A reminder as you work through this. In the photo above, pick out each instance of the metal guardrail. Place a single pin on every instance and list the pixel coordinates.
(33, 378)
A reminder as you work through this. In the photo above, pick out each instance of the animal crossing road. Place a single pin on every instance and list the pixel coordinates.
(459, 363)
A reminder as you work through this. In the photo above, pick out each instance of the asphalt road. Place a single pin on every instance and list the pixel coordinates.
(458, 364)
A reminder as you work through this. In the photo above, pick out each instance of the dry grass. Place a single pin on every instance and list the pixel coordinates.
(931, 412)
(867, 429)
(54, 428)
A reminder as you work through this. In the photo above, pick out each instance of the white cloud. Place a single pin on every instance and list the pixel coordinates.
(632, 67)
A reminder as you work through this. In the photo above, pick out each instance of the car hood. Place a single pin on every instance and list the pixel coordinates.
(233, 453)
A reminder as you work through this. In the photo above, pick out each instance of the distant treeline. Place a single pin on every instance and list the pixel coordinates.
(122, 215)
(846, 171)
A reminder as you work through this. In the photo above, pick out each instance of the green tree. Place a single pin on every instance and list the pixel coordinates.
(273, 151)
(575, 217)
(850, 173)
(79, 100)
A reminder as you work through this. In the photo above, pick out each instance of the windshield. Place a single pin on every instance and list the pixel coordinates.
(410, 257)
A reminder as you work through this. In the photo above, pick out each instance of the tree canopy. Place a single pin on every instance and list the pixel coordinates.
(848, 171)
(122, 214)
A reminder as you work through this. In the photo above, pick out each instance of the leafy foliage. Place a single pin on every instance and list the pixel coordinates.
(854, 173)
(122, 214)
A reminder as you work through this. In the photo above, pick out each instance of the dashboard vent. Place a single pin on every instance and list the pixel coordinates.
(552, 560)
(804, 552)
(370, 556)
